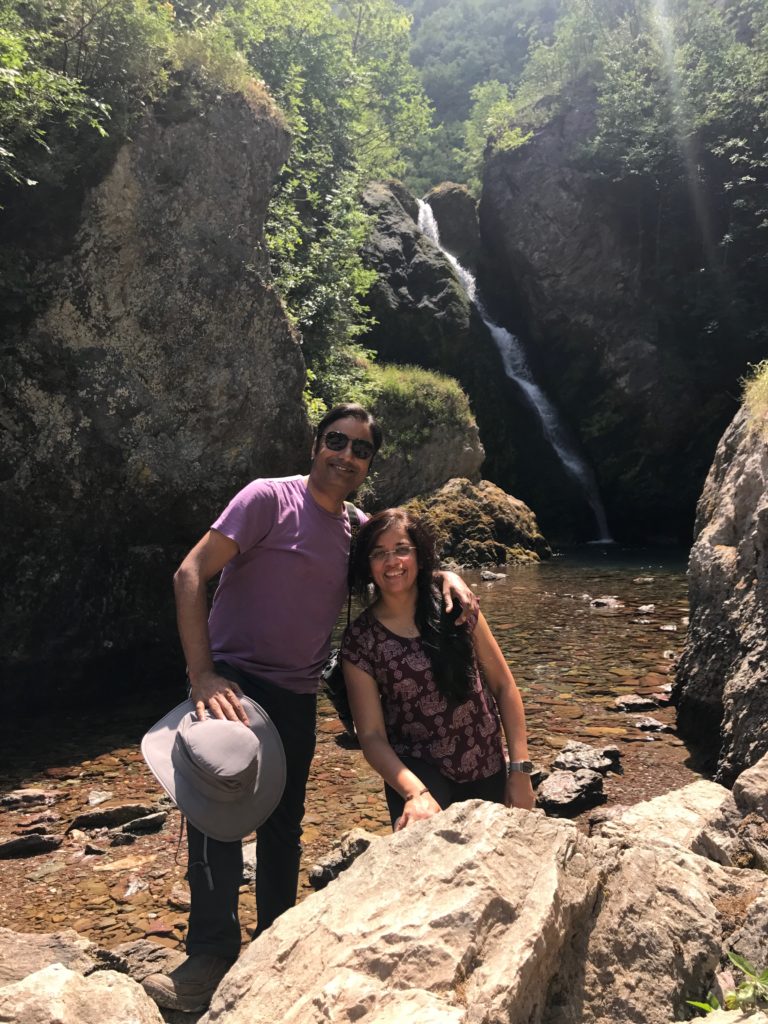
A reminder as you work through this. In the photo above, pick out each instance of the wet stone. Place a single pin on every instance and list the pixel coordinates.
(635, 703)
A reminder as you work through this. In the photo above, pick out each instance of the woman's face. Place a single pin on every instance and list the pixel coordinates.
(393, 561)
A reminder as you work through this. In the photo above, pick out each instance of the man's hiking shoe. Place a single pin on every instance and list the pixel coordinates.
(190, 986)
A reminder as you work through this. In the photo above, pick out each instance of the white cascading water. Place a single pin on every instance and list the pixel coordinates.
(517, 369)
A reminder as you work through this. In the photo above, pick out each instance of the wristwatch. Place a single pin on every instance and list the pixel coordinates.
(526, 767)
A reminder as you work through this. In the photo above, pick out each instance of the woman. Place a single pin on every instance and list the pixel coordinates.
(422, 714)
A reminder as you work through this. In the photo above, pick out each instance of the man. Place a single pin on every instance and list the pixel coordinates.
(282, 548)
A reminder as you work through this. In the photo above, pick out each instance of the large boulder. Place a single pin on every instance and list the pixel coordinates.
(721, 688)
(479, 524)
(58, 995)
(160, 374)
(569, 259)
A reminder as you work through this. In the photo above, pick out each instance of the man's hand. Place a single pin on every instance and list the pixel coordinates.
(219, 695)
(454, 587)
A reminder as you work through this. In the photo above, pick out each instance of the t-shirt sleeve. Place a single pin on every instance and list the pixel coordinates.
(357, 647)
(250, 515)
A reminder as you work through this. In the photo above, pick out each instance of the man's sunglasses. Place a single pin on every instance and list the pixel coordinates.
(337, 442)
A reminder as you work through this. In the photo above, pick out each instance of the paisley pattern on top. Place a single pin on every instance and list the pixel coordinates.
(461, 739)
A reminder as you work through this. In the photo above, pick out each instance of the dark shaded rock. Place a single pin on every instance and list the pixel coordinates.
(575, 755)
(149, 823)
(566, 793)
(28, 845)
(476, 524)
(109, 817)
(143, 393)
(721, 687)
(122, 839)
(577, 270)
(455, 211)
(425, 318)
(339, 859)
(606, 601)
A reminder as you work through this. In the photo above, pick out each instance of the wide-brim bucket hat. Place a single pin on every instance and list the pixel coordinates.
(226, 778)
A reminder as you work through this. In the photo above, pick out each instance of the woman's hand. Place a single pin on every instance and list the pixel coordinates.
(454, 588)
(418, 808)
(519, 791)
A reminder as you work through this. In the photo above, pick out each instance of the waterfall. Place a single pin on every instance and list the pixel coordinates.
(517, 369)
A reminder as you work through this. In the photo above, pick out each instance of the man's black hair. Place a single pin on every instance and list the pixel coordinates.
(340, 412)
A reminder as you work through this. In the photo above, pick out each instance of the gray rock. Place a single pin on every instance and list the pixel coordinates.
(574, 756)
(646, 609)
(28, 845)
(565, 793)
(66, 997)
(141, 958)
(635, 702)
(350, 847)
(467, 912)
(608, 601)
(28, 798)
(750, 790)
(490, 577)
(249, 863)
(751, 938)
(23, 953)
(110, 817)
(649, 724)
(721, 689)
(146, 824)
(99, 796)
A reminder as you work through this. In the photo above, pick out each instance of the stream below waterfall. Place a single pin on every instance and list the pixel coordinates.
(571, 661)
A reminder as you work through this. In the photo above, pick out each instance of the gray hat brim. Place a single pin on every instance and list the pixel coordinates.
(230, 820)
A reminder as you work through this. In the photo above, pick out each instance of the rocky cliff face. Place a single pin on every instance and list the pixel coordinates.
(568, 265)
(722, 680)
(456, 215)
(425, 318)
(161, 375)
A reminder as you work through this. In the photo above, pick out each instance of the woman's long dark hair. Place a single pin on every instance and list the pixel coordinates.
(448, 646)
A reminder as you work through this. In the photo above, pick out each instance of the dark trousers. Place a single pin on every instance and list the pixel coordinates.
(215, 869)
(445, 791)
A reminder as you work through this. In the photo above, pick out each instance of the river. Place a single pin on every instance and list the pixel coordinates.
(570, 658)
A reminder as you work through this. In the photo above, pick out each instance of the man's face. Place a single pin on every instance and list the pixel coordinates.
(341, 471)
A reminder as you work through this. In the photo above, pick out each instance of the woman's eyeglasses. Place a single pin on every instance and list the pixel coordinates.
(337, 442)
(399, 551)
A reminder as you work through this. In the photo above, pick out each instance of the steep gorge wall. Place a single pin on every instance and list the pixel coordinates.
(722, 679)
(566, 262)
(161, 375)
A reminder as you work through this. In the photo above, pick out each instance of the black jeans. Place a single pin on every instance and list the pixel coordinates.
(215, 869)
(446, 791)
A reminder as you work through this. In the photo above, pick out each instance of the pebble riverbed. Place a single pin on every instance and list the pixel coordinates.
(571, 655)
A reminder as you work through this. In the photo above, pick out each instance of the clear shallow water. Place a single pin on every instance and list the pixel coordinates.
(570, 659)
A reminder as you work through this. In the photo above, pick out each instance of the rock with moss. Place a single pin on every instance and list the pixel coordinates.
(455, 211)
(430, 434)
(721, 690)
(479, 524)
(160, 375)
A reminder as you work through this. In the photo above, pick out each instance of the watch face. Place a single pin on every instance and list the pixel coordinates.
(526, 767)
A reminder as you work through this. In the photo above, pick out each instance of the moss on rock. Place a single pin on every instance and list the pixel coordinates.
(480, 524)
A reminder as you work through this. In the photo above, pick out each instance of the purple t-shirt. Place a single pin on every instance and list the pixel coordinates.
(462, 739)
(278, 599)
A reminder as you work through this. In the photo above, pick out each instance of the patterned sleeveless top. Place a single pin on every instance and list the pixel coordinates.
(461, 739)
